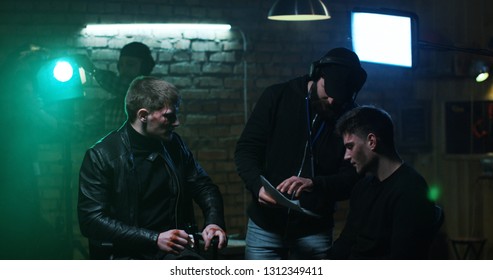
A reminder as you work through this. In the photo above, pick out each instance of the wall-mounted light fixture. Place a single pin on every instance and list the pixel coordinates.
(298, 10)
(483, 74)
(92, 28)
(480, 70)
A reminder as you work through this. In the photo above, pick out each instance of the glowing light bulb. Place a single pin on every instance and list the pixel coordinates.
(63, 71)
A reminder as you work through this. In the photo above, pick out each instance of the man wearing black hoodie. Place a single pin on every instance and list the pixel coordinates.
(290, 139)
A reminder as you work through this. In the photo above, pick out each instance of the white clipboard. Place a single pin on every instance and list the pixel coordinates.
(284, 201)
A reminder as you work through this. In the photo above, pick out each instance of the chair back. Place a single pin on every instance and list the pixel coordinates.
(439, 219)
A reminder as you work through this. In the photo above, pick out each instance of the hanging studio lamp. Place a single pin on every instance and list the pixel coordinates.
(298, 10)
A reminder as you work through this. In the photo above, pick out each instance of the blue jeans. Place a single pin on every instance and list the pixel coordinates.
(265, 245)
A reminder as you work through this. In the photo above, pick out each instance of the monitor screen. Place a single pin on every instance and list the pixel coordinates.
(384, 36)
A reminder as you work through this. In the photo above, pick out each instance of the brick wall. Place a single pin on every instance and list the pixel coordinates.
(207, 67)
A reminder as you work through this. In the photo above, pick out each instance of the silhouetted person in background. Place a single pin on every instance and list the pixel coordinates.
(135, 60)
(390, 215)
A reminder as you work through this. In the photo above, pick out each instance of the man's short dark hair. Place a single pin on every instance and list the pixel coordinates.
(368, 119)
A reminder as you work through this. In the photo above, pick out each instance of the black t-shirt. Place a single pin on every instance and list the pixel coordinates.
(392, 219)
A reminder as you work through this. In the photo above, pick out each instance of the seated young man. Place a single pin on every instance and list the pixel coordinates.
(390, 215)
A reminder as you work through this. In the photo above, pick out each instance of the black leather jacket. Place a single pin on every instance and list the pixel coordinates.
(108, 202)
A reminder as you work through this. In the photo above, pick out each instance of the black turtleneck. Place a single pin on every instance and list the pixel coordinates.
(156, 195)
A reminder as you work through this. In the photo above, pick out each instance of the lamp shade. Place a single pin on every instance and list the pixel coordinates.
(60, 79)
(482, 76)
(298, 10)
(480, 69)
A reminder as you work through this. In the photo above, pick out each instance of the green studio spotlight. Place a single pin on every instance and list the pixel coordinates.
(60, 79)
(63, 71)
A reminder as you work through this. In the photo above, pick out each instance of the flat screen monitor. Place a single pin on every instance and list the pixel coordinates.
(385, 36)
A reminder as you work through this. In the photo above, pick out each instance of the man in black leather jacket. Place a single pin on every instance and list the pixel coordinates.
(137, 185)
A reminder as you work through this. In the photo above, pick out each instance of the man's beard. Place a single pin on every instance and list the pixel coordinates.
(324, 110)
